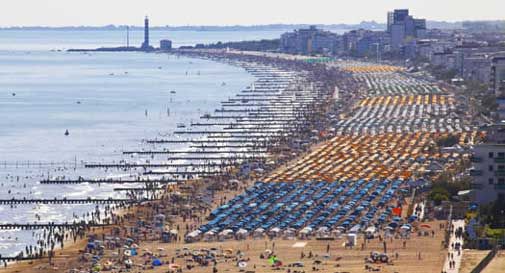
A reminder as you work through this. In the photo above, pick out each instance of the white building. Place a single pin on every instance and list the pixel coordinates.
(488, 168)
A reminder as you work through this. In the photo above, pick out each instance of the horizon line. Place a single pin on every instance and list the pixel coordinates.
(236, 25)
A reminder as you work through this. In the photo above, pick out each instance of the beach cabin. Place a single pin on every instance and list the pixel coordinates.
(370, 232)
(352, 239)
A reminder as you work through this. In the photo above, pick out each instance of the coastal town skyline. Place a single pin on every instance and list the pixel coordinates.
(58, 13)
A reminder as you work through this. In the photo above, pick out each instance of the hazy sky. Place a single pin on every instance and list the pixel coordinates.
(231, 12)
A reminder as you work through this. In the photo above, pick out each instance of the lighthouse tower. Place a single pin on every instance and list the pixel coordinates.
(145, 44)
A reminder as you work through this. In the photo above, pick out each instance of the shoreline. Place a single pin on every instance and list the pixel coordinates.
(70, 246)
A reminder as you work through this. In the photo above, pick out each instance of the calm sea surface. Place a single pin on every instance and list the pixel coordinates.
(108, 102)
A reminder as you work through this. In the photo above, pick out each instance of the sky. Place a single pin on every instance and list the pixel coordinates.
(235, 12)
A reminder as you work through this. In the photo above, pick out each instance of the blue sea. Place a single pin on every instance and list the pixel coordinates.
(108, 102)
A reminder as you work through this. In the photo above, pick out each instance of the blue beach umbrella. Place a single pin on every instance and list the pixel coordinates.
(157, 262)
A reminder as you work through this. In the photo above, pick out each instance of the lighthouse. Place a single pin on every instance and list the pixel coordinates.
(145, 44)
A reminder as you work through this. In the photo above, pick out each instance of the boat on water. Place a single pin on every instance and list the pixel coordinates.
(172, 92)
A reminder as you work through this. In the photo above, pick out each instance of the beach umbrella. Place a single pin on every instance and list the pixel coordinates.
(272, 260)
(97, 268)
(412, 218)
(242, 264)
(174, 231)
(406, 227)
(425, 226)
(156, 262)
(242, 231)
(173, 266)
(107, 264)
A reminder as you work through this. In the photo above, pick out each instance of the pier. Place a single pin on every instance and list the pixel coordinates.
(106, 181)
(65, 201)
(158, 165)
(50, 226)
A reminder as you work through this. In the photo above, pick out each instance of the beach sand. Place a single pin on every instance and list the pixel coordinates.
(497, 265)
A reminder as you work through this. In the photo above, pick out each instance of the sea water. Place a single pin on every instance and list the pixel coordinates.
(108, 103)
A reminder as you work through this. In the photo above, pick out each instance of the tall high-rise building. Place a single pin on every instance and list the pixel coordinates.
(397, 36)
(399, 15)
(401, 25)
(145, 44)
(391, 20)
